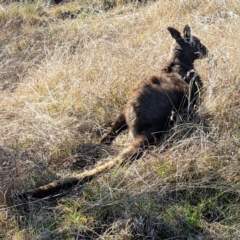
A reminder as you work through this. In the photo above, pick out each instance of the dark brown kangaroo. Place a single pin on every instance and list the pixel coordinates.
(148, 110)
(149, 107)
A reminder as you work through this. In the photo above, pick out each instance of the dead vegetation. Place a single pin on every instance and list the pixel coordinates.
(63, 82)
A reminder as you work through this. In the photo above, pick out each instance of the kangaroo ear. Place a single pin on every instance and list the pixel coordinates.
(174, 33)
(187, 34)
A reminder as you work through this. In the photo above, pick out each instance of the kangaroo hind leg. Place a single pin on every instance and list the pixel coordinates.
(118, 126)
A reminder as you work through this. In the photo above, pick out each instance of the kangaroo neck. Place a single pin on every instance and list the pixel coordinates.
(181, 68)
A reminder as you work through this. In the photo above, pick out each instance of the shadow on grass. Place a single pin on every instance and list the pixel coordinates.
(98, 211)
(171, 214)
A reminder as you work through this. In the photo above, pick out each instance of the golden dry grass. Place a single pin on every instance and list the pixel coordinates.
(64, 80)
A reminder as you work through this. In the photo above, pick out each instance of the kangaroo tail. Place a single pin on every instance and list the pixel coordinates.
(65, 183)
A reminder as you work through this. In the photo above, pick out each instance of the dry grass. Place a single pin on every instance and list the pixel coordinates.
(65, 79)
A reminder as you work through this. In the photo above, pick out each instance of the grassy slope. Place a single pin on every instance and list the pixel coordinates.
(63, 81)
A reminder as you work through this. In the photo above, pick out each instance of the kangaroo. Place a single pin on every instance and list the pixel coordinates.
(148, 109)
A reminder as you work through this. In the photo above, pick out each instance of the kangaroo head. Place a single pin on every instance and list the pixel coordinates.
(188, 45)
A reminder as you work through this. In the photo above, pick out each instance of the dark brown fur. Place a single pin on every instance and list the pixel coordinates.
(149, 107)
